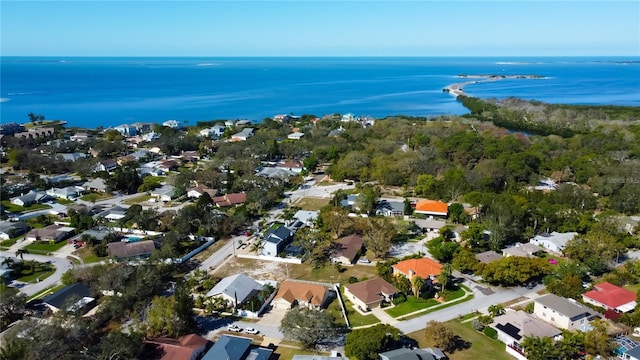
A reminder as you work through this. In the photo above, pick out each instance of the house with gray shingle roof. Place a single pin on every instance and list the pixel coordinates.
(236, 289)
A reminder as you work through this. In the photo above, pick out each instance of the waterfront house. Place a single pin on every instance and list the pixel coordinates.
(369, 294)
(174, 124)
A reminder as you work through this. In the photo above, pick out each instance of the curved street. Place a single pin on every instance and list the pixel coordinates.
(61, 265)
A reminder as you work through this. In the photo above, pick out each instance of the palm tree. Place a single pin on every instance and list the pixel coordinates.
(444, 276)
(416, 285)
(496, 310)
(20, 253)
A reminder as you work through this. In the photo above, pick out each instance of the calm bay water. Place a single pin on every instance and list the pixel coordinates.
(93, 92)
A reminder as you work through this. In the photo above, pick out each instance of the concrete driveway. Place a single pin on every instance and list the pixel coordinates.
(272, 317)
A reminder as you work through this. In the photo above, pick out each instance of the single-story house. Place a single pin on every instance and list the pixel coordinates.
(554, 242)
(425, 268)
(627, 348)
(430, 225)
(390, 208)
(131, 250)
(488, 256)
(69, 192)
(293, 166)
(369, 294)
(187, 347)
(97, 185)
(51, 233)
(349, 201)
(215, 132)
(113, 213)
(346, 249)
(163, 193)
(167, 165)
(275, 173)
(307, 217)
(72, 157)
(174, 124)
(106, 165)
(236, 289)
(81, 137)
(199, 190)
(230, 347)
(230, 199)
(29, 198)
(514, 326)
(11, 229)
(75, 297)
(242, 135)
(611, 297)
(295, 136)
(563, 313)
(524, 250)
(275, 240)
(432, 208)
(292, 293)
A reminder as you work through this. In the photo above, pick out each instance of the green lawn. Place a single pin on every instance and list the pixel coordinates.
(137, 199)
(45, 247)
(8, 206)
(93, 197)
(481, 346)
(412, 304)
(41, 272)
(287, 353)
(311, 203)
(355, 318)
(64, 201)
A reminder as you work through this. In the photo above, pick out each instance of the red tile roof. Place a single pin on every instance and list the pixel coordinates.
(422, 267)
(181, 348)
(432, 206)
(230, 199)
(610, 295)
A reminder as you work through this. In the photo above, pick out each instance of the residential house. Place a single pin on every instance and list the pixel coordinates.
(174, 124)
(292, 293)
(348, 117)
(390, 208)
(275, 173)
(432, 208)
(563, 313)
(236, 348)
(126, 130)
(236, 289)
(121, 160)
(200, 190)
(430, 225)
(213, 132)
(293, 166)
(150, 136)
(369, 294)
(113, 213)
(164, 193)
(34, 133)
(295, 136)
(553, 242)
(350, 201)
(230, 199)
(97, 185)
(81, 137)
(51, 233)
(488, 256)
(124, 250)
(514, 326)
(346, 249)
(29, 198)
(527, 250)
(10, 128)
(611, 297)
(425, 268)
(628, 350)
(275, 240)
(318, 357)
(243, 135)
(68, 193)
(545, 185)
(72, 157)
(406, 354)
(307, 217)
(108, 165)
(74, 298)
(187, 347)
(11, 229)
(629, 224)
(168, 165)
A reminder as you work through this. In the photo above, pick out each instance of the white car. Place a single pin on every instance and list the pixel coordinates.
(234, 328)
(251, 330)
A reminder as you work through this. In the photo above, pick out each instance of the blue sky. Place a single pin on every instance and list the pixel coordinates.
(319, 28)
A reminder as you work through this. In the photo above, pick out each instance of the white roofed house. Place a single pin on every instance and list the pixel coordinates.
(554, 242)
(215, 131)
(97, 184)
(236, 289)
(242, 135)
(29, 198)
(164, 193)
(126, 130)
(68, 193)
(174, 124)
(295, 136)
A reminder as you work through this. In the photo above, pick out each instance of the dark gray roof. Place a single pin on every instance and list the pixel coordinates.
(406, 354)
(229, 348)
(121, 249)
(634, 352)
(278, 235)
(564, 306)
(76, 291)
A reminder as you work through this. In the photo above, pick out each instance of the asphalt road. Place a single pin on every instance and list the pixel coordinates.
(61, 264)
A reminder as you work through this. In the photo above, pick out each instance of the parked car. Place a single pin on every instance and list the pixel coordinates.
(251, 330)
(234, 328)
(364, 261)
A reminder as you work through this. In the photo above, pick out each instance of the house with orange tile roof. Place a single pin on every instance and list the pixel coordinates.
(425, 268)
(187, 347)
(299, 293)
(432, 208)
(611, 297)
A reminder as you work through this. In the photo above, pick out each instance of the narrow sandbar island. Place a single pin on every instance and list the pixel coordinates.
(456, 89)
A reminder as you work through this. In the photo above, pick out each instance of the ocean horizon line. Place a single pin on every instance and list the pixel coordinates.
(321, 56)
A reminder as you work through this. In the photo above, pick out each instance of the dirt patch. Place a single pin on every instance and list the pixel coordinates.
(259, 270)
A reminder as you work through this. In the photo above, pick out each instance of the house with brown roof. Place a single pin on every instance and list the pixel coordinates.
(346, 249)
(432, 208)
(369, 294)
(230, 199)
(200, 190)
(51, 233)
(292, 293)
(187, 347)
(129, 250)
(293, 166)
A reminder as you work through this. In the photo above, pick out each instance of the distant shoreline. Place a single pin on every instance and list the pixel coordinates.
(456, 89)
